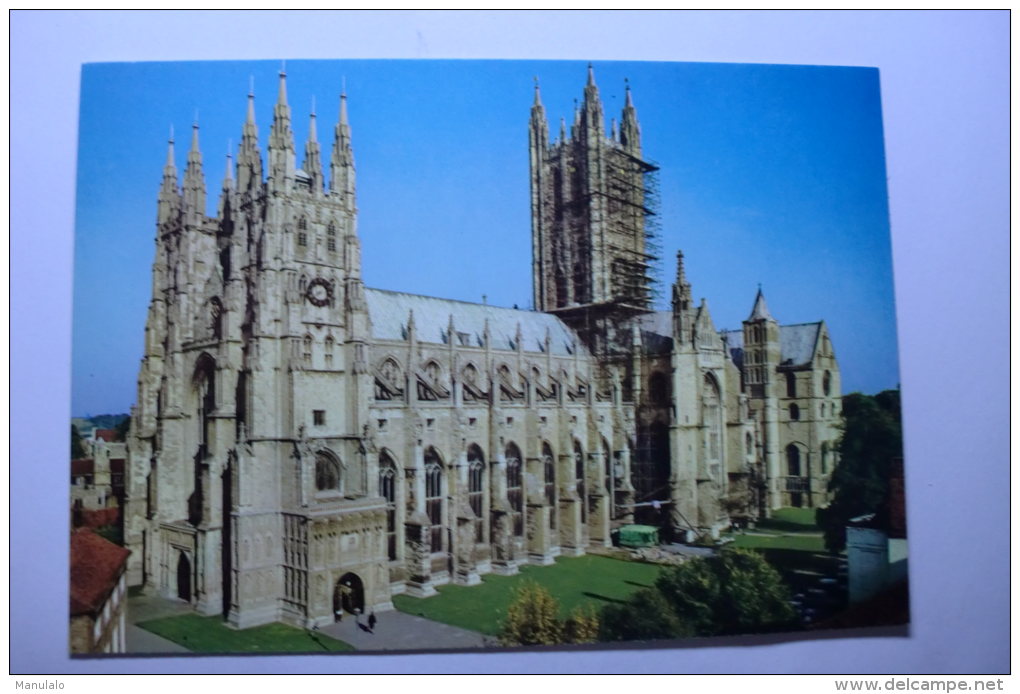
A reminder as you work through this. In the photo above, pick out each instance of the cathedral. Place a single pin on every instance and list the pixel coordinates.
(303, 445)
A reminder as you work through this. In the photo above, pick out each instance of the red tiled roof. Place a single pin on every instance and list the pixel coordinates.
(82, 466)
(96, 566)
(106, 434)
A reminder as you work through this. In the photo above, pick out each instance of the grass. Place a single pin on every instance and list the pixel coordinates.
(792, 543)
(573, 581)
(804, 543)
(210, 635)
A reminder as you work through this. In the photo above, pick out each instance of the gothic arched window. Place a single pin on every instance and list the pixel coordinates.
(216, 318)
(549, 473)
(476, 482)
(327, 472)
(514, 488)
(388, 491)
(827, 382)
(306, 354)
(434, 498)
(712, 418)
(205, 392)
(579, 480)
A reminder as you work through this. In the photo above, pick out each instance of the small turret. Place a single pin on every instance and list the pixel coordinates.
(249, 158)
(341, 167)
(593, 118)
(312, 164)
(194, 181)
(630, 131)
(683, 318)
(169, 196)
(281, 141)
(761, 346)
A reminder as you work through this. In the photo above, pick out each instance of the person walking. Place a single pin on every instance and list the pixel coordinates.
(371, 621)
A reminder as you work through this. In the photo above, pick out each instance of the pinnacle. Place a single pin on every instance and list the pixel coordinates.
(761, 309)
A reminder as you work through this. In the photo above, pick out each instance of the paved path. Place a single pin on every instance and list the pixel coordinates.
(145, 607)
(399, 631)
(394, 631)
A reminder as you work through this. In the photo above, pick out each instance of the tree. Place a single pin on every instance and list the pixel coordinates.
(733, 592)
(582, 626)
(77, 450)
(122, 429)
(872, 438)
(531, 620)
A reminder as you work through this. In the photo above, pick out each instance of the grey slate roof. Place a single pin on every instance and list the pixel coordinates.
(796, 343)
(389, 313)
(656, 331)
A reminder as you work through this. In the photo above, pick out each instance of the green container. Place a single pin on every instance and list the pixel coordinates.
(638, 536)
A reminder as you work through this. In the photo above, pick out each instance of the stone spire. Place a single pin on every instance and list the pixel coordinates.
(281, 141)
(630, 131)
(313, 162)
(194, 180)
(169, 197)
(761, 309)
(249, 158)
(341, 165)
(228, 174)
(682, 304)
(593, 118)
(228, 187)
(539, 126)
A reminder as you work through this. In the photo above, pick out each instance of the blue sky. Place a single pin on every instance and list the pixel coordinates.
(769, 174)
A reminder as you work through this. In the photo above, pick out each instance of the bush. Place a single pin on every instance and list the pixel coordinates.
(733, 592)
(533, 620)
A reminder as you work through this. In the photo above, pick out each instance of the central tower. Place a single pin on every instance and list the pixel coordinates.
(590, 204)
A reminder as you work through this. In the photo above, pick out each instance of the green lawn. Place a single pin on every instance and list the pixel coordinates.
(211, 635)
(794, 545)
(806, 543)
(573, 581)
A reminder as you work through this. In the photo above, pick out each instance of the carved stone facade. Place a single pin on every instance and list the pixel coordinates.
(303, 446)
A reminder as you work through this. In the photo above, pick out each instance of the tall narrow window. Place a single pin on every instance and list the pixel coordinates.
(216, 318)
(388, 491)
(476, 496)
(307, 353)
(794, 412)
(791, 385)
(579, 480)
(434, 498)
(793, 460)
(328, 352)
(549, 469)
(514, 491)
(826, 382)
(331, 237)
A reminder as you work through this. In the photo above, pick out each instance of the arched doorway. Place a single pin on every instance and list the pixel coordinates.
(349, 595)
(183, 577)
